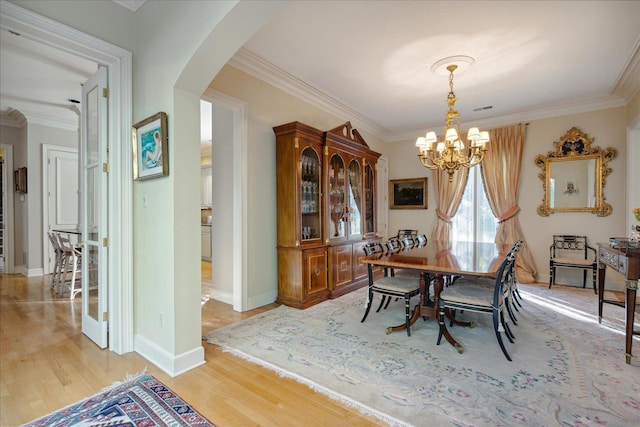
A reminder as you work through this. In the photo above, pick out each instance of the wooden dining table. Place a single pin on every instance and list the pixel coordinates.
(438, 260)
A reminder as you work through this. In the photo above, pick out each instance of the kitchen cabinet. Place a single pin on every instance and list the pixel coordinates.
(205, 240)
(205, 186)
(325, 211)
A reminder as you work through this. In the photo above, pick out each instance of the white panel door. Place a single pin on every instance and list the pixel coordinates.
(62, 180)
(93, 207)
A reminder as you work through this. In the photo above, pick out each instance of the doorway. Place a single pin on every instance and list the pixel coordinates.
(119, 64)
(229, 124)
(6, 212)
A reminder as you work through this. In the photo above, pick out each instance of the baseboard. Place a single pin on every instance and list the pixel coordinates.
(261, 300)
(222, 296)
(173, 365)
(614, 282)
(28, 272)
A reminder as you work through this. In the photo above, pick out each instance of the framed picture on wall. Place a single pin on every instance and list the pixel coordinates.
(408, 193)
(151, 148)
(20, 179)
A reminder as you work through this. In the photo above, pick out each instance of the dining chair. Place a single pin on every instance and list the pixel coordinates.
(390, 286)
(393, 244)
(481, 295)
(406, 233)
(409, 241)
(57, 262)
(571, 251)
(72, 264)
(512, 300)
(422, 239)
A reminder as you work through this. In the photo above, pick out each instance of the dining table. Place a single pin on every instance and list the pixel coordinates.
(439, 261)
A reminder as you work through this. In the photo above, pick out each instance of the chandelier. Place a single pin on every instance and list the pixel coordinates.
(452, 153)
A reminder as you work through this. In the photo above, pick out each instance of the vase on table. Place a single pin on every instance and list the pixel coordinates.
(635, 233)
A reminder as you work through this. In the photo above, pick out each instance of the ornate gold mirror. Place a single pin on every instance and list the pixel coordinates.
(574, 175)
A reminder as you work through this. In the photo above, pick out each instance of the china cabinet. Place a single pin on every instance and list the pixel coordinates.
(326, 211)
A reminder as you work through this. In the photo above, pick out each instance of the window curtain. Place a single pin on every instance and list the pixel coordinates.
(448, 197)
(501, 177)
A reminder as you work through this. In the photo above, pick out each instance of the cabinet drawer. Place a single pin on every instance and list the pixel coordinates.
(606, 257)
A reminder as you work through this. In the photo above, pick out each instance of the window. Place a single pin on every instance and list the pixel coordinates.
(474, 220)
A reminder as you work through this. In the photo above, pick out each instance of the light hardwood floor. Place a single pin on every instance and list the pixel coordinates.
(46, 363)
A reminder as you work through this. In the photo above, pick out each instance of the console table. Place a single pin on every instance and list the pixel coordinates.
(626, 261)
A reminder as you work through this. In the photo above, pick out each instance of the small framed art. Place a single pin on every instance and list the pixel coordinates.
(151, 148)
(408, 193)
(20, 179)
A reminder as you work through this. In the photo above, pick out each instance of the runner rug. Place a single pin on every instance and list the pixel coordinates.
(567, 368)
(142, 401)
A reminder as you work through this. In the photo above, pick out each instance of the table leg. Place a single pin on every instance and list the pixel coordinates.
(630, 305)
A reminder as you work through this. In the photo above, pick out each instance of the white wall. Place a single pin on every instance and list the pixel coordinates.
(268, 107)
(38, 135)
(222, 204)
(27, 141)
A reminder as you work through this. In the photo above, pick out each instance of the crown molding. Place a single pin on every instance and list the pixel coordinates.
(546, 112)
(12, 118)
(19, 118)
(53, 122)
(258, 67)
(628, 84)
(132, 5)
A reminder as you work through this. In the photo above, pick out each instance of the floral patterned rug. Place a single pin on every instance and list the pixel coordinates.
(567, 368)
(142, 401)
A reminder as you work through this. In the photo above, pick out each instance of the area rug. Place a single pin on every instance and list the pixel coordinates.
(142, 401)
(567, 369)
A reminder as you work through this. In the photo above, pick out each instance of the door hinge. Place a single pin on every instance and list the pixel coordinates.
(105, 316)
(105, 92)
(105, 242)
(105, 167)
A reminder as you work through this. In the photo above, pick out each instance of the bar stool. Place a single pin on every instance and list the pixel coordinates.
(72, 263)
(58, 261)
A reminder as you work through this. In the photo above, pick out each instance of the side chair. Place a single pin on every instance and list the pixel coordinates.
(390, 287)
(571, 251)
(482, 295)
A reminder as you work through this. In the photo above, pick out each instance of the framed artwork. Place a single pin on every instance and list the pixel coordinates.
(20, 180)
(408, 193)
(151, 148)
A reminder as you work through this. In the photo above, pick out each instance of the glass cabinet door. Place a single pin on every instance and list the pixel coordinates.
(337, 192)
(354, 215)
(369, 200)
(310, 195)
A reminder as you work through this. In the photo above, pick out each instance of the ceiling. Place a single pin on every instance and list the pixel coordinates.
(370, 61)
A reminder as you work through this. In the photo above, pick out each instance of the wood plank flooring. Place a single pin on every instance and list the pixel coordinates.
(46, 363)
